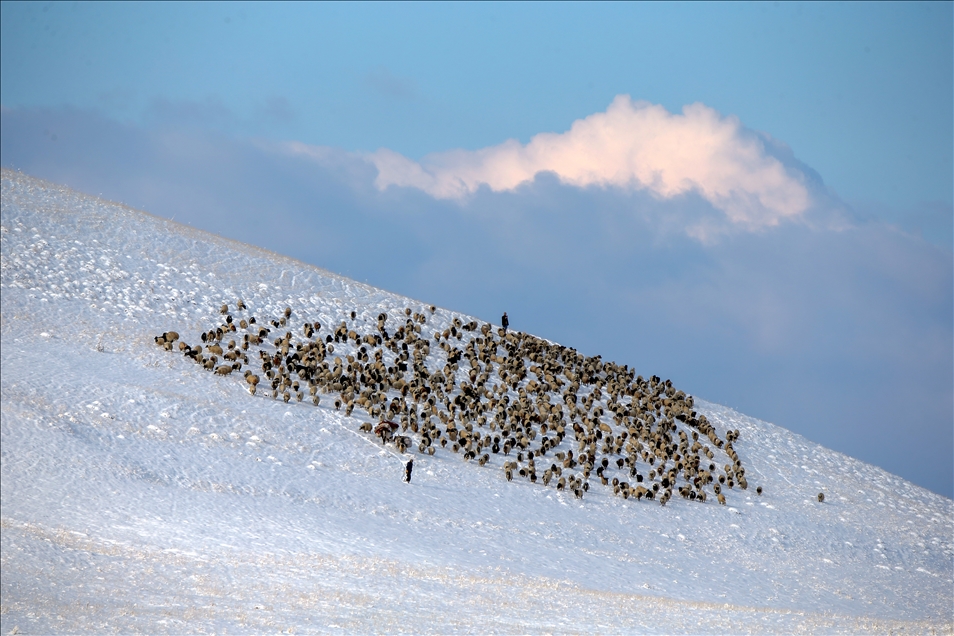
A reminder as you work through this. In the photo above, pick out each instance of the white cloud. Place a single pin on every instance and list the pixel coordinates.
(634, 146)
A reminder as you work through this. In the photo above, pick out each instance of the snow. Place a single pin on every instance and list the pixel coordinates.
(143, 493)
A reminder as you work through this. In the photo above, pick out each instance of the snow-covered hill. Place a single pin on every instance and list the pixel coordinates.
(140, 492)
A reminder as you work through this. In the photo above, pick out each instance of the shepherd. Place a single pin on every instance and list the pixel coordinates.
(408, 467)
(505, 322)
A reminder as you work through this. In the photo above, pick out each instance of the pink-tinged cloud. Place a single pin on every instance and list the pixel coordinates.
(633, 145)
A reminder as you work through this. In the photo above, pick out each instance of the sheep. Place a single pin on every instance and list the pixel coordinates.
(401, 442)
(476, 389)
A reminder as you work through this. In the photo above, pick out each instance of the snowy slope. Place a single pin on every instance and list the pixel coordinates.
(143, 493)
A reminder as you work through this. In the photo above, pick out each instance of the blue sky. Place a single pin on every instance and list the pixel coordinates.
(784, 246)
(862, 92)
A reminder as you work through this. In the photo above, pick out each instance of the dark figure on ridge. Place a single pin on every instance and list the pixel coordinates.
(505, 322)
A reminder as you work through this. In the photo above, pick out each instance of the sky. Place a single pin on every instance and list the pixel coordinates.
(754, 200)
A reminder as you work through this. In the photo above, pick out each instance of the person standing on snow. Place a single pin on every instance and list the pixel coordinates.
(505, 322)
(408, 467)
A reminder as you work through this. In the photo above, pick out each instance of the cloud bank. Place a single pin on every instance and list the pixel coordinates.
(837, 335)
(632, 146)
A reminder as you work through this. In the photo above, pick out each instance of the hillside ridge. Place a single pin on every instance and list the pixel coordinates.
(142, 492)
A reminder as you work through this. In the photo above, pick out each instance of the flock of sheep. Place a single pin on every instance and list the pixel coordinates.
(558, 417)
